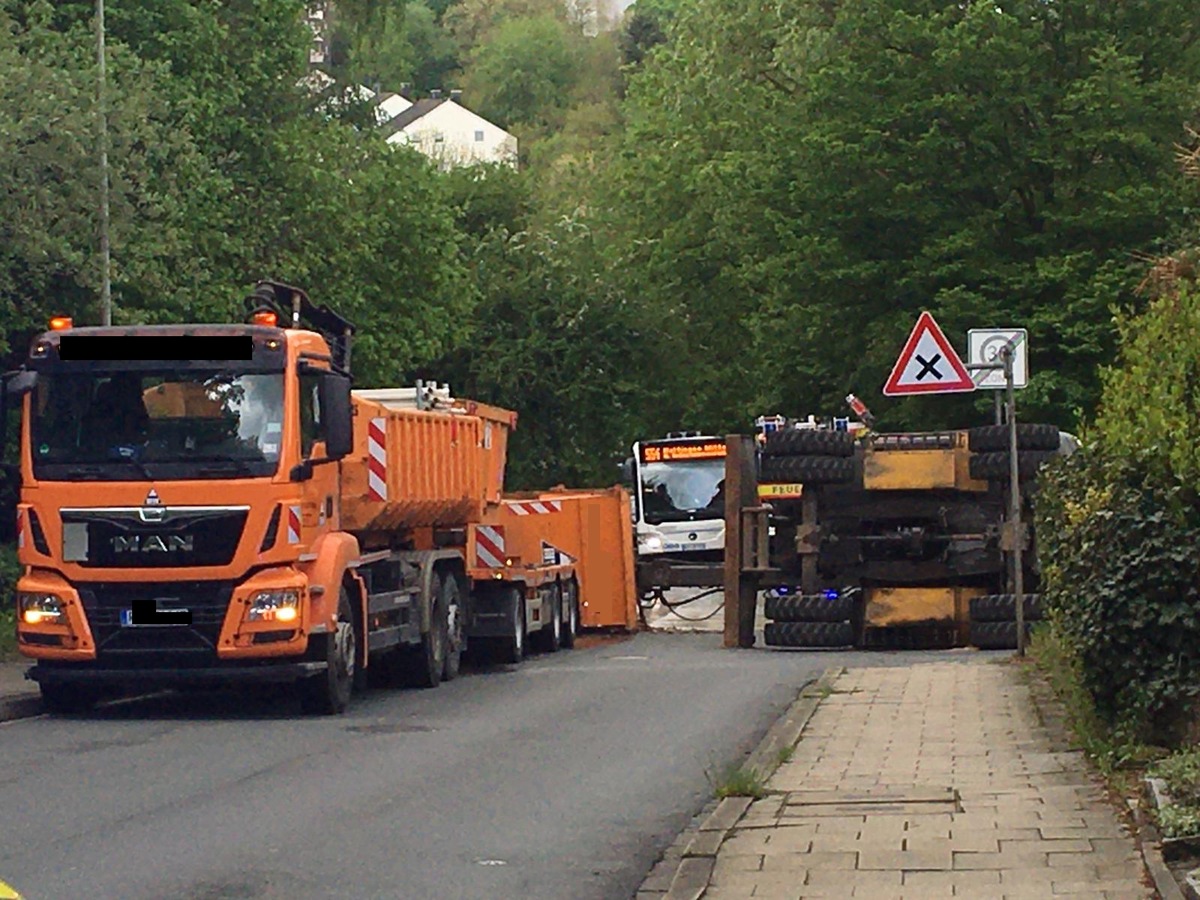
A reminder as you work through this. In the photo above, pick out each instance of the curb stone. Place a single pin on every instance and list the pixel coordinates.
(1150, 845)
(691, 877)
(20, 707)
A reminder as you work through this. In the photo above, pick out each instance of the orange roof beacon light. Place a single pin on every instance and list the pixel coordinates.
(60, 323)
(264, 317)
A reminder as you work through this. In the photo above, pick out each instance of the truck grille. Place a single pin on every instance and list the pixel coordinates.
(107, 539)
(157, 645)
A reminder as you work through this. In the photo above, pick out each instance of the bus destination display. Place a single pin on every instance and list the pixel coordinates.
(683, 450)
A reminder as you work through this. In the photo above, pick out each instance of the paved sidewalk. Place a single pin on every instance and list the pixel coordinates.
(933, 780)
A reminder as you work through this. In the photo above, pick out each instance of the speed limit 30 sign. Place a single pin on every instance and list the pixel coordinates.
(983, 347)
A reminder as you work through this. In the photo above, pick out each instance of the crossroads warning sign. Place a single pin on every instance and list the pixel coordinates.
(928, 364)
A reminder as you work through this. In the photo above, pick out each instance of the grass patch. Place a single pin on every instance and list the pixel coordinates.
(738, 781)
(1181, 772)
(8, 634)
(785, 754)
(1112, 752)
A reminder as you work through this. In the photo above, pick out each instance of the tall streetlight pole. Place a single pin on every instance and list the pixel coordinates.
(105, 255)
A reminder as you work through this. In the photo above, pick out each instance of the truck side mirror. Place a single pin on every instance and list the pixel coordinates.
(18, 384)
(334, 395)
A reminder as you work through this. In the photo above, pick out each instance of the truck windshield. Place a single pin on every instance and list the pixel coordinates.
(182, 424)
(683, 491)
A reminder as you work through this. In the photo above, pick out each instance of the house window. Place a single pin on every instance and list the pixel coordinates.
(478, 135)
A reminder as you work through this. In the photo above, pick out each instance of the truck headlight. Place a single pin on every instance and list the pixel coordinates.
(38, 608)
(274, 606)
(651, 543)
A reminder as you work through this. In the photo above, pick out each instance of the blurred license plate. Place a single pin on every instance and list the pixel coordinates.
(159, 620)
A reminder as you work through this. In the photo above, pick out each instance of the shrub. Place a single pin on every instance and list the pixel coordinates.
(1119, 544)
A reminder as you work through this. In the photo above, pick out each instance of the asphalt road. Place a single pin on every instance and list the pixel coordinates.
(563, 778)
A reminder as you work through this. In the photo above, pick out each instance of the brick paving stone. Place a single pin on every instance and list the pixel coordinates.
(775, 862)
(1030, 820)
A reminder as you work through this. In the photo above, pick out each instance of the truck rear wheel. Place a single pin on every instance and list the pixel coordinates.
(428, 659)
(511, 649)
(455, 635)
(809, 608)
(1030, 436)
(807, 469)
(550, 637)
(570, 612)
(328, 693)
(68, 698)
(808, 634)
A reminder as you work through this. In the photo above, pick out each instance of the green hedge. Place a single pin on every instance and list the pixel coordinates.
(1119, 540)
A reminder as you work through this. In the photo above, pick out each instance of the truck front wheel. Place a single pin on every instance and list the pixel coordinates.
(328, 693)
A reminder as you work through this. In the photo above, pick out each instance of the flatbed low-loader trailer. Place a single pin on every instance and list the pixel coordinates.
(207, 504)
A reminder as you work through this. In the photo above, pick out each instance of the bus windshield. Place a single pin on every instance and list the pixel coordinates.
(683, 491)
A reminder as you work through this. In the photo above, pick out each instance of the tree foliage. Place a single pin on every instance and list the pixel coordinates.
(804, 181)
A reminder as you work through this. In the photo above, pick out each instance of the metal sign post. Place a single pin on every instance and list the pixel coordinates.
(1014, 530)
(1016, 535)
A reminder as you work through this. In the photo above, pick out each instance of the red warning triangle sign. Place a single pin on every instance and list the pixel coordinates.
(928, 364)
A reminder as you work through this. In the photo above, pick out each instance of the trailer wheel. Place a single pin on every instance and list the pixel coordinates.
(808, 608)
(328, 693)
(550, 635)
(996, 635)
(570, 612)
(511, 649)
(1030, 436)
(428, 658)
(451, 600)
(806, 469)
(1003, 608)
(809, 634)
(809, 442)
(994, 466)
(68, 698)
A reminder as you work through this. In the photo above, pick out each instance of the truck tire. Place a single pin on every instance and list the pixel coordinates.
(328, 694)
(806, 469)
(68, 698)
(809, 634)
(1003, 608)
(455, 634)
(427, 660)
(511, 649)
(809, 608)
(994, 466)
(996, 635)
(570, 612)
(550, 634)
(809, 442)
(1030, 436)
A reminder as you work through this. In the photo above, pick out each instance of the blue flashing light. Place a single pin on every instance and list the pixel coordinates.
(782, 590)
(831, 594)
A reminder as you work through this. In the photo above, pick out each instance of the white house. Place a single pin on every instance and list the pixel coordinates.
(388, 106)
(451, 134)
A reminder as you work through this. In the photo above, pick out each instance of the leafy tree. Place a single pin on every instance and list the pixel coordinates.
(580, 361)
(801, 184)
(524, 73)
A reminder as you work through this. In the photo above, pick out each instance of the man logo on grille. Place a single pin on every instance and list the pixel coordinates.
(153, 543)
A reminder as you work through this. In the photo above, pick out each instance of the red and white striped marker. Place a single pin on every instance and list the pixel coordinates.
(293, 524)
(534, 507)
(489, 545)
(377, 459)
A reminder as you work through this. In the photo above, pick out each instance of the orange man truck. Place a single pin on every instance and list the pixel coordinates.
(213, 503)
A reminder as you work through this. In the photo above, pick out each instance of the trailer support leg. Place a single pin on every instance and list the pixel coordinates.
(741, 587)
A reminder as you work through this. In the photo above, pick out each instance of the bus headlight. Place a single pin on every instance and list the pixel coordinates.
(274, 606)
(651, 543)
